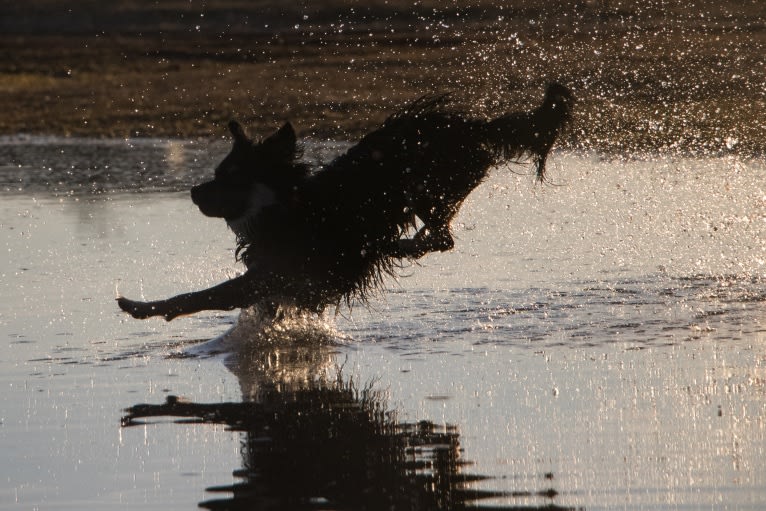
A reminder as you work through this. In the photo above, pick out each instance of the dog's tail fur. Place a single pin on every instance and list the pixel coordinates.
(522, 135)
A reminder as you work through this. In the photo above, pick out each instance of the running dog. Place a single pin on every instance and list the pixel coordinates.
(313, 239)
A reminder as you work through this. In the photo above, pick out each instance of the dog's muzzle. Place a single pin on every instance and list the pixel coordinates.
(212, 201)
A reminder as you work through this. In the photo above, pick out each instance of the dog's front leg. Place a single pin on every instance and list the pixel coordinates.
(235, 293)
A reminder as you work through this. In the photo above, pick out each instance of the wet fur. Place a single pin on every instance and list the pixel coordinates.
(311, 239)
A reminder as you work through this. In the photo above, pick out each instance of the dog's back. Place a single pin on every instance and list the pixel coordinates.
(348, 225)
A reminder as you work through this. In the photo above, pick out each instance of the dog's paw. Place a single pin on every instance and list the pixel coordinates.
(442, 243)
(415, 248)
(139, 310)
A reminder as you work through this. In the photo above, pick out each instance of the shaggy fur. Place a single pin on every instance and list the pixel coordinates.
(315, 239)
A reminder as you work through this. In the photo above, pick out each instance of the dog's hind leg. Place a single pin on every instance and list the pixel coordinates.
(433, 236)
(427, 239)
(235, 293)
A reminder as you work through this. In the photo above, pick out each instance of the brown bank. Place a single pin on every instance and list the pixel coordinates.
(648, 75)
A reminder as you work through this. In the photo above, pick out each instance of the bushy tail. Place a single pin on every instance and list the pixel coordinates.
(530, 135)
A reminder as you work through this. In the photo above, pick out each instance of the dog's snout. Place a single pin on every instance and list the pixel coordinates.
(212, 200)
(195, 194)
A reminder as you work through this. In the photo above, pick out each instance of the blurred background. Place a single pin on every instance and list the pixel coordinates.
(664, 75)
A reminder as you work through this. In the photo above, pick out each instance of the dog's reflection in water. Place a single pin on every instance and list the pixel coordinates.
(314, 438)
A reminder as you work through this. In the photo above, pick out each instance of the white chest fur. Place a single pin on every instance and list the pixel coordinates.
(261, 197)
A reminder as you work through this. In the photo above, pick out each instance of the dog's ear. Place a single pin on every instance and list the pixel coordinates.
(238, 132)
(282, 143)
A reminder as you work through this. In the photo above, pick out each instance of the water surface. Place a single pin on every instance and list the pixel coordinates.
(596, 344)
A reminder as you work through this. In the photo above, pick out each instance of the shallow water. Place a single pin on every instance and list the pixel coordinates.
(596, 344)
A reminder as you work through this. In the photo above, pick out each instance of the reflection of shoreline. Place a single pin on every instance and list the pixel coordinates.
(95, 167)
(315, 439)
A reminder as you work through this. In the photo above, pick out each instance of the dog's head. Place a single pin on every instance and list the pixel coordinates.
(252, 176)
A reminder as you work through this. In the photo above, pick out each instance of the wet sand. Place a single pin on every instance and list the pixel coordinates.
(647, 78)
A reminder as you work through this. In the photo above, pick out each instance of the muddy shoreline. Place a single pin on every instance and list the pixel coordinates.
(646, 80)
